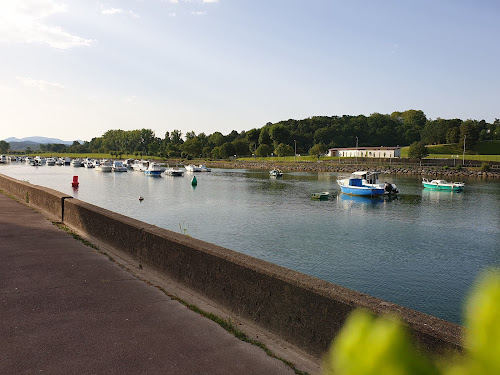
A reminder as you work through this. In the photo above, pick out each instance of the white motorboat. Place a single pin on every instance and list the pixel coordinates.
(275, 173)
(140, 165)
(50, 161)
(76, 162)
(119, 167)
(174, 171)
(197, 168)
(192, 168)
(128, 163)
(104, 166)
(154, 169)
(40, 160)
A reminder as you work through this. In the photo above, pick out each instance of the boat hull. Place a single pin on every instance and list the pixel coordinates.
(362, 191)
(153, 173)
(443, 187)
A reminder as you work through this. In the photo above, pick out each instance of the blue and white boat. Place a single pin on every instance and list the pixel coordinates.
(365, 183)
(154, 170)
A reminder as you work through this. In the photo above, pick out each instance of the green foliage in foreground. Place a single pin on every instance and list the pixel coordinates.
(381, 345)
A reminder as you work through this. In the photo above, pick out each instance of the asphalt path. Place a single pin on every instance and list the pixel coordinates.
(67, 309)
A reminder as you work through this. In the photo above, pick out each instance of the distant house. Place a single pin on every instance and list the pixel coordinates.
(366, 152)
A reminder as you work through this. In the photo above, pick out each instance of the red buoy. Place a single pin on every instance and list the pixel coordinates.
(75, 182)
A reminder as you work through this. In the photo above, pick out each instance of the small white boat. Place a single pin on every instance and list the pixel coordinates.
(40, 160)
(60, 161)
(154, 169)
(192, 168)
(442, 185)
(128, 163)
(275, 172)
(174, 171)
(324, 195)
(3, 159)
(204, 168)
(76, 162)
(197, 168)
(88, 163)
(104, 166)
(140, 165)
(50, 161)
(119, 167)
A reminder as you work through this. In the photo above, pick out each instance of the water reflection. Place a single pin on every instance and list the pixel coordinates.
(442, 195)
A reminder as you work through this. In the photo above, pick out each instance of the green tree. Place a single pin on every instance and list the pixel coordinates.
(418, 151)
(216, 139)
(193, 147)
(264, 137)
(263, 150)
(452, 135)
(469, 132)
(241, 146)
(227, 150)
(283, 150)
(4, 147)
(318, 150)
(253, 137)
(279, 134)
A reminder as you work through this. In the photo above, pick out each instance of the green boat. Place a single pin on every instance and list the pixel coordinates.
(442, 185)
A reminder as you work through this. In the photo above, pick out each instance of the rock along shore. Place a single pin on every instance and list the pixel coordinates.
(324, 166)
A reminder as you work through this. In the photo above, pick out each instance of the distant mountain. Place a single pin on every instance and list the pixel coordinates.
(21, 146)
(42, 140)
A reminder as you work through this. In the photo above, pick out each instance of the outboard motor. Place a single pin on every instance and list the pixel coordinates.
(390, 188)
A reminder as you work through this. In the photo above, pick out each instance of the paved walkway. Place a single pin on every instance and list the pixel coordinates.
(66, 309)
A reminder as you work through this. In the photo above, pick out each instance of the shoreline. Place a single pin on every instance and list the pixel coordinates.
(349, 168)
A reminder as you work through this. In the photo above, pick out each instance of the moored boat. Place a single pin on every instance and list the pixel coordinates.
(119, 167)
(324, 195)
(192, 168)
(174, 171)
(104, 166)
(275, 172)
(154, 169)
(442, 185)
(365, 183)
(140, 165)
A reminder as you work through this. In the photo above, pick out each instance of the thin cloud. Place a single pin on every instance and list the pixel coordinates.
(210, 1)
(111, 11)
(39, 84)
(114, 11)
(199, 13)
(22, 22)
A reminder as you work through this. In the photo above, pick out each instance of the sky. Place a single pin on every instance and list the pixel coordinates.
(74, 69)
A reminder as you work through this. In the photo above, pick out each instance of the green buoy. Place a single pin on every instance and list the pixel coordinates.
(194, 182)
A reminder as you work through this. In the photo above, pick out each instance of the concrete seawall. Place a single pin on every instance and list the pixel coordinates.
(47, 200)
(302, 310)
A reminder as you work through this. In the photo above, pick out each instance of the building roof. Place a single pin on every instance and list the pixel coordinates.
(363, 148)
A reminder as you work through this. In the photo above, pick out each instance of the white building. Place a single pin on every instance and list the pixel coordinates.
(366, 152)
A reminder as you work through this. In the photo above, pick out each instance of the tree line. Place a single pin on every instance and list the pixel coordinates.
(313, 135)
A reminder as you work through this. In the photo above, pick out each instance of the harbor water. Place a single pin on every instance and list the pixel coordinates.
(422, 249)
